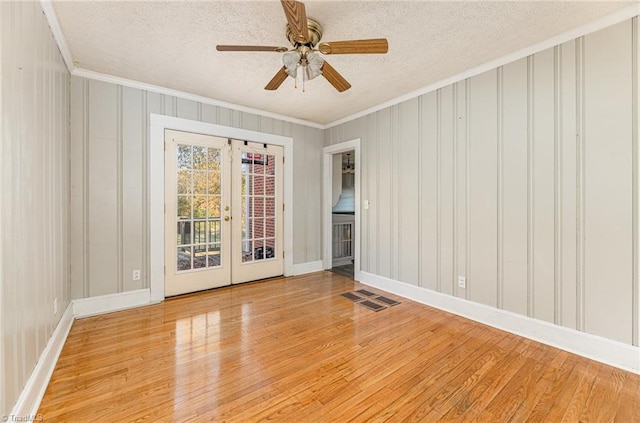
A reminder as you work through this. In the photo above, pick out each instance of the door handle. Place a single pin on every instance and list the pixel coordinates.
(227, 218)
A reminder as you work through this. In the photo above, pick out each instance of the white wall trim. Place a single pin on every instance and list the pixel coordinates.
(309, 267)
(624, 356)
(612, 19)
(31, 396)
(327, 200)
(85, 307)
(606, 21)
(614, 353)
(58, 35)
(158, 125)
(84, 73)
(33, 392)
(61, 41)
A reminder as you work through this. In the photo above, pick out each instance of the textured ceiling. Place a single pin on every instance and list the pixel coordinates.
(172, 44)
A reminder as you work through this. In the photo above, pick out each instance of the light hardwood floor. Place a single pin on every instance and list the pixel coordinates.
(294, 350)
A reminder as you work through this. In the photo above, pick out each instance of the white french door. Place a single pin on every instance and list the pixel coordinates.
(257, 190)
(223, 217)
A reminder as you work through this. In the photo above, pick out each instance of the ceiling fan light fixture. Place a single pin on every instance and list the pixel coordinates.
(304, 34)
(314, 65)
(310, 62)
(291, 61)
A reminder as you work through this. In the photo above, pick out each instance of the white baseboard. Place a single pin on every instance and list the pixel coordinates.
(614, 353)
(31, 396)
(309, 267)
(92, 306)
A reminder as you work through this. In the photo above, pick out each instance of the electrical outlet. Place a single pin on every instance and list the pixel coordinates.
(55, 306)
(462, 282)
(136, 274)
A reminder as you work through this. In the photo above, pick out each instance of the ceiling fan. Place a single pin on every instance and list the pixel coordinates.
(305, 34)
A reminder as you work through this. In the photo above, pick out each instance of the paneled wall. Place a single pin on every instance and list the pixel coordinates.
(34, 181)
(522, 179)
(109, 186)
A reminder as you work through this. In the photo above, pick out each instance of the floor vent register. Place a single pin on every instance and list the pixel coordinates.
(370, 300)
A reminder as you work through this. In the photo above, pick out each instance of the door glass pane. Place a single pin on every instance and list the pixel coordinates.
(213, 255)
(269, 186)
(214, 231)
(270, 227)
(184, 182)
(258, 202)
(213, 207)
(199, 256)
(247, 251)
(214, 159)
(184, 233)
(183, 157)
(257, 162)
(270, 168)
(199, 207)
(269, 206)
(184, 207)
(246, 163)
(258, 207)
(258, 250)
(250, 184)
(199, 182)
(244, 185)
(214, 184)
(269, 248)
(258, 185)
(199, 158)
(199, 231)
(184, 258)
(244, 201)
(247, 230)
(198, 203)
(257, 227)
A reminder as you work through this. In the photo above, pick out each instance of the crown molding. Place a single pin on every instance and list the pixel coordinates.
(612, 19)
(606, 21)
(84, 73)
(56, 30)
(61, 41)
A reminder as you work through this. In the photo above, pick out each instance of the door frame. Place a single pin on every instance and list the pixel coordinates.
(327, 178)
(157, 125)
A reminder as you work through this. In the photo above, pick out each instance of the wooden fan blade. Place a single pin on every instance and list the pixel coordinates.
(373, 46)
(334, 78)
(277, 80)
(251, 48)
(297, 18)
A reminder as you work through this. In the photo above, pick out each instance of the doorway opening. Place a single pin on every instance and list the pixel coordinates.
(342, 209)
(343, 213)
